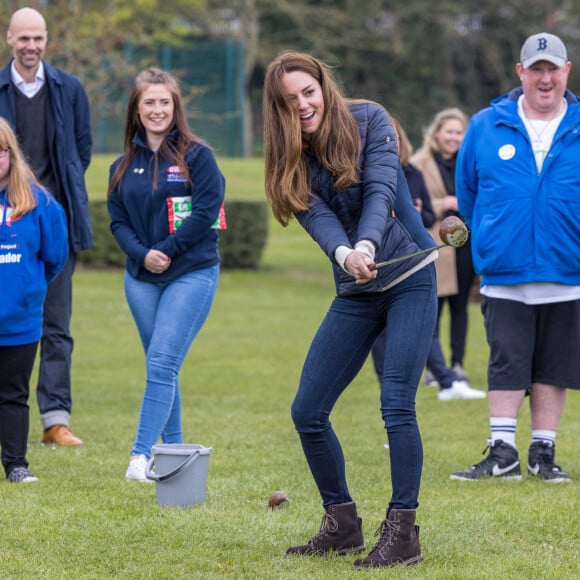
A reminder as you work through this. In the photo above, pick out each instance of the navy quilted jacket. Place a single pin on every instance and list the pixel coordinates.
(377, 208)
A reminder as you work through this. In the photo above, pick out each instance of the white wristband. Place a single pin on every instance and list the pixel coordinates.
(367, 247)
(341, 254)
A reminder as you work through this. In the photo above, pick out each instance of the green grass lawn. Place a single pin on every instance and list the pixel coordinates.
(83, 520)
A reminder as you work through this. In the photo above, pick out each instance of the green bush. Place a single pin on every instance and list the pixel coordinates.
(244, 240)
(241, 244)
(105, 251)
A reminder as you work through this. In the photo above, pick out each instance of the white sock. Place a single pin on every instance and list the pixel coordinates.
(544, 435)
(503, 428)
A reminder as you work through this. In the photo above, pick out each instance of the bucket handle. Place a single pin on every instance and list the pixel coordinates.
(156, 477)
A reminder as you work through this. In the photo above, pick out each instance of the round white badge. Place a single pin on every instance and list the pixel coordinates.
(506, 152)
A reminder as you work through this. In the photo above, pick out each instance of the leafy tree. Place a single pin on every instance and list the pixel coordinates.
(414, 57)
(417, 57)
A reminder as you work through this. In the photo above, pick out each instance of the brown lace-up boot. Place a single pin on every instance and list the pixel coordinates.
(340, 533)
(398, 542)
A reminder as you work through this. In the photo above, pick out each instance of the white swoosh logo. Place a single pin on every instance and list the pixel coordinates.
(497, 470)
(534, 470)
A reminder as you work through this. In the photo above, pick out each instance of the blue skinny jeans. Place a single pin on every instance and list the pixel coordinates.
(340, 347)
(168, 317)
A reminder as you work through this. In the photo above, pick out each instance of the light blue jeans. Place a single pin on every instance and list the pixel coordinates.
(168, 316)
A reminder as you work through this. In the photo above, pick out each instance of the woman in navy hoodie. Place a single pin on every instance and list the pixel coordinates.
(165, 195)
(332, 163)
(33, 249)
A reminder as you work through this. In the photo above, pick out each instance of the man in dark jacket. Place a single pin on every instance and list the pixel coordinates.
(49, 111)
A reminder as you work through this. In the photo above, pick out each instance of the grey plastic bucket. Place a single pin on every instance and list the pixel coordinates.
(180, 473)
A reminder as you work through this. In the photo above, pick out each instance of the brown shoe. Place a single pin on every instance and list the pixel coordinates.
(60, 435)
(340, 533)
(398, 542)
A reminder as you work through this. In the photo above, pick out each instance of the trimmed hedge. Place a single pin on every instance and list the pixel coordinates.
(105, 251)
(241, 244)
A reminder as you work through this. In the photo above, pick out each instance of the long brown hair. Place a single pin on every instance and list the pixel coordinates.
(336, 144)
(20, 196)
(174, 151)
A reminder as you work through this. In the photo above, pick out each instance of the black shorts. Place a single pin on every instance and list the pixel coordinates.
(532, 344)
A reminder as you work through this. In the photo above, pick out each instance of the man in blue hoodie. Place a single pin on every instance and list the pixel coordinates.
(49, 111)
(518, 186)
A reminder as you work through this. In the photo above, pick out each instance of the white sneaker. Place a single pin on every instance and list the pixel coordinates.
(136, 469)
(460, 390)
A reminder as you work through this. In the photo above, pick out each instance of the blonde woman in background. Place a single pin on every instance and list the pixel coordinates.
(33, 250)
(455, 274)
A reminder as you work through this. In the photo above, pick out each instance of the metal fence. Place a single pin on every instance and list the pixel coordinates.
(211, 75)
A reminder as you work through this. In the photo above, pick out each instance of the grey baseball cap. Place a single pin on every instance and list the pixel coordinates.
(543, 46)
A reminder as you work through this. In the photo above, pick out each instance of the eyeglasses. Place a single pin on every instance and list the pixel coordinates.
(4, 152)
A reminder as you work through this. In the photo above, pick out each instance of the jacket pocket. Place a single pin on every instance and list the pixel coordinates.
(501, 243)
(559, 235)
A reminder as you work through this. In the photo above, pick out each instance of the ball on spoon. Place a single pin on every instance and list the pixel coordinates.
(453, 231)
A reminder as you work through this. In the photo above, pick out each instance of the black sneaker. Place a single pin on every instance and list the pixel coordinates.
(21, 475)
(541, 463)
(502, 461)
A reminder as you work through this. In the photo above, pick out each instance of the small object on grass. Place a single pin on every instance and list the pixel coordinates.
(278, 500)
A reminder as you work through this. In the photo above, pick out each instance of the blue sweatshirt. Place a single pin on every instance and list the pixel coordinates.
(172, 218)
(33, 250)
(524, 224)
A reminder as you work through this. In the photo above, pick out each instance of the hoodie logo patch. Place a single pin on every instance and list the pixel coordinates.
(174, 174)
